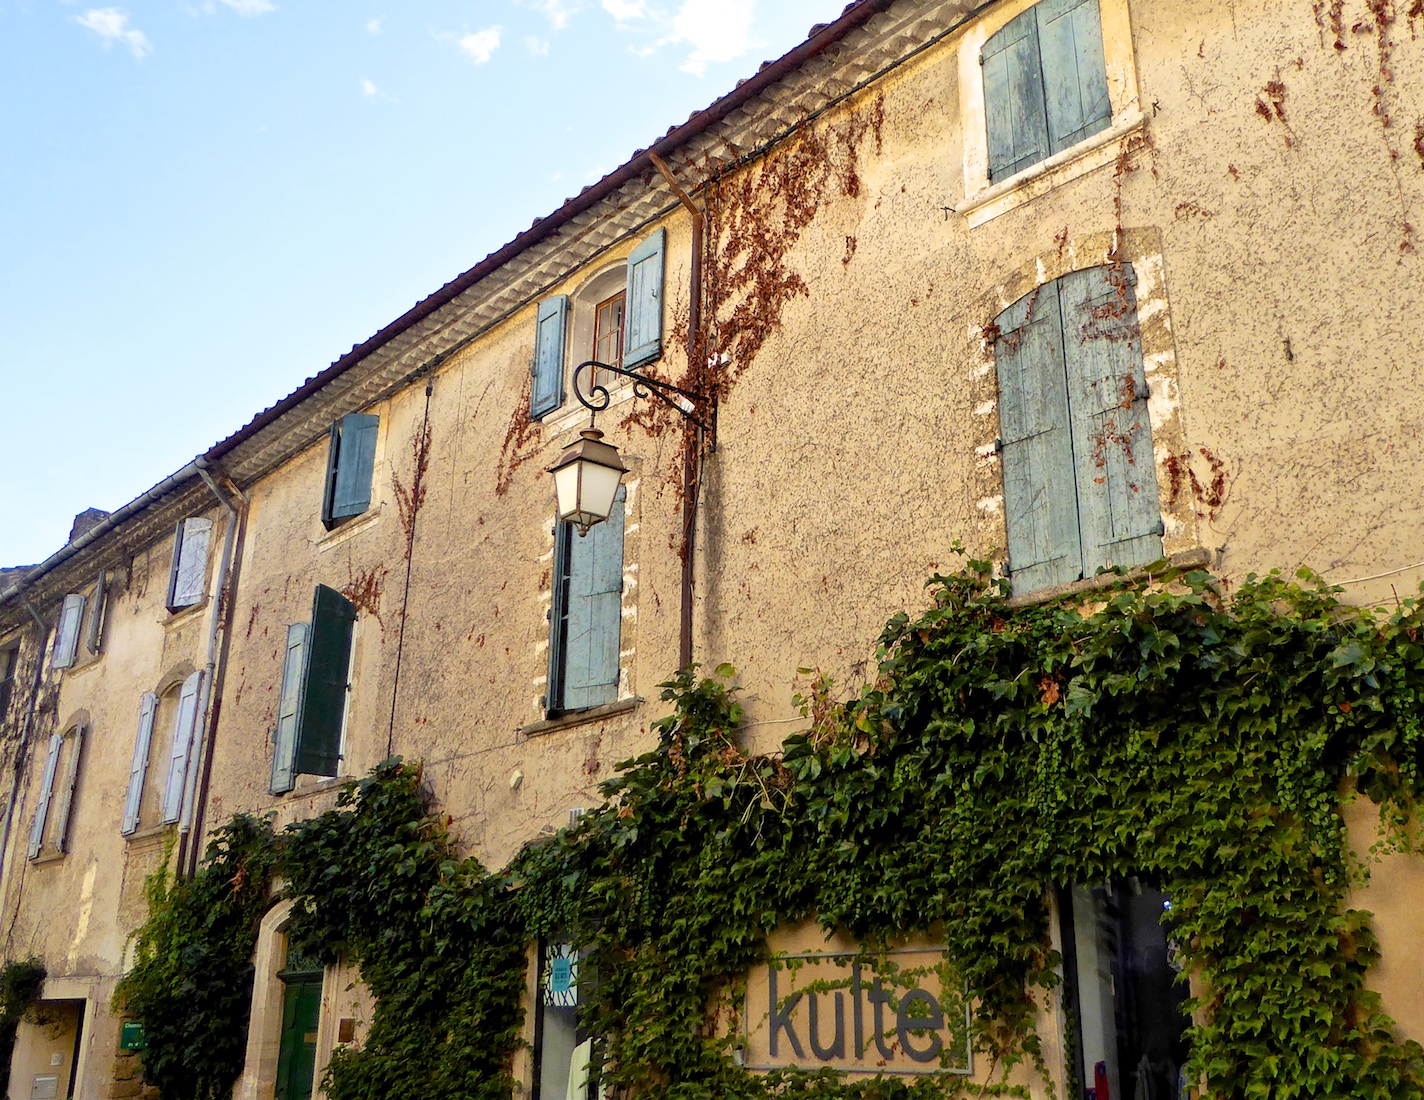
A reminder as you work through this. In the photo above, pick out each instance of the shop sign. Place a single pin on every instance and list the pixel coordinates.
(131, 1037)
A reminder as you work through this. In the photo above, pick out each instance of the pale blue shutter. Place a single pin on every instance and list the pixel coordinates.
(643, 327)
(1118, 510)
(184, 725)
(1013, 97)
(66, 642)
(547, 391)
(355, 460)
(188, 577)
(139, 768)
(595, 611)
(1040, 505)
(76, 750)
(37, 827)
(1075, 83)
(94, 636)
(284, 740)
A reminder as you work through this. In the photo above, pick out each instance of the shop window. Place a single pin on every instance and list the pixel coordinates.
(301, 977)
(9, 669)
(188, 573)
(350, 465)
(1123, 990)
(587, 613)
(566, 1055)
(1080, 484)
(316, 682)
(1045, 84)
(158, 775)
(49, 830)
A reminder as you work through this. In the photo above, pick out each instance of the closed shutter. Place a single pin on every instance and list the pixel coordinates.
(184, 725)
(1119, 514)
(322, 708)
(547, 390)
(94, 636)
(1040, 503)
(1075, 83)
(76, 751)
(355, 462)
(1013, 97)
(284, 740)
(643, 331)
(46, 793)
(595, 611)
(187, 579)
(139, 768)
(66, 643)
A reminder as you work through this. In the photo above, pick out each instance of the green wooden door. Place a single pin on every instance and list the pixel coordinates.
(296, 1061)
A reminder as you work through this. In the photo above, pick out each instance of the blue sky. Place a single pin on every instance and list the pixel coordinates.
(203, 202)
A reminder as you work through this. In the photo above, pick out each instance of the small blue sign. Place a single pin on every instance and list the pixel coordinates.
(561, 978)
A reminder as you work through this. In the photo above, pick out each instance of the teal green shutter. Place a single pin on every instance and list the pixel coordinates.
(355, 460)
(323, 700)
(1040, 504)
(1013, 97)
(643, 329)
(37, 827)
(333, 452)
(1119, 514)
(284, 740)
(588, 614)
(547, 391)
(1075, 83)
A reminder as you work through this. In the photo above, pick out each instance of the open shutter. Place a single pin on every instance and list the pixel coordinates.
(1040, 501)
(46, 794)
(322, 708)
(643, 325)
(184, 726)
(66, 642)
(547, 391)
(1075, 82)
(1119, 513)
(94, 636)
(187, 579)
(1013, 97)
(284, 741)
(595, 610)
(139, 769)
(351, 486)
(76, 750)
(333, 457)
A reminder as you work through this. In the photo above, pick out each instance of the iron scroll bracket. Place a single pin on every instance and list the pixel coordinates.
(597, 397)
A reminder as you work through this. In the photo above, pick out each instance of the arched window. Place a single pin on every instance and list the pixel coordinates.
(167, 723)
(50, 828)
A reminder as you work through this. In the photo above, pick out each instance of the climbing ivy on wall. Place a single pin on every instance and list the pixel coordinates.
(1200, 738)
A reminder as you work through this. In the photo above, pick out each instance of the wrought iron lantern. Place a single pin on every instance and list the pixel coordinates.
(586, 479)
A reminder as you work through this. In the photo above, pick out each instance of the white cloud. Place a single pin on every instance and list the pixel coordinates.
(112, 25)
(368, 88)
(539, 47)
(717, 30)
(481, 45)
(623, 10)
(557, 12)
(251, 7)
(374, 27)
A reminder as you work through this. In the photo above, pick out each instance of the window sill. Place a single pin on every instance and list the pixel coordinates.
(581, 717)
(47, 857)
(321, 786)
(140, 835)
(353, 526)
(184, 615)
(1038, 179)
(1185, 559)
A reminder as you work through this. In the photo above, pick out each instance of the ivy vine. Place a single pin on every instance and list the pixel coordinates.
(1202, 738)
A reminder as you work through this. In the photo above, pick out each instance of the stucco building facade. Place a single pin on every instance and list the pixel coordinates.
(885, 241)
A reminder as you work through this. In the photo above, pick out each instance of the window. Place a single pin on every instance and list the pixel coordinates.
(188, 575)
(1121, 971)
(1080, 486)
(9, 668)
(50, 828)
(565, 1055)
(1045, 84)
(66, 641)
(350, 461)
(627, 327)
(587, 613)
(311, 712)
(158, 774)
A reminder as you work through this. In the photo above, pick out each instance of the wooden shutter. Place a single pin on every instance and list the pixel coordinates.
(94, 636)
(1075, 83)
(356, 459)
(333, 454)
(322, 708)
(595, 613)
(1013, 97)
(76, 750)
(188, 576)
(66, 642)
(643, 322)
(139, 768)
(1119, 514)
(1040, 504)
(184, 725)
(547, 391)
(46, 793)
(284, 740)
